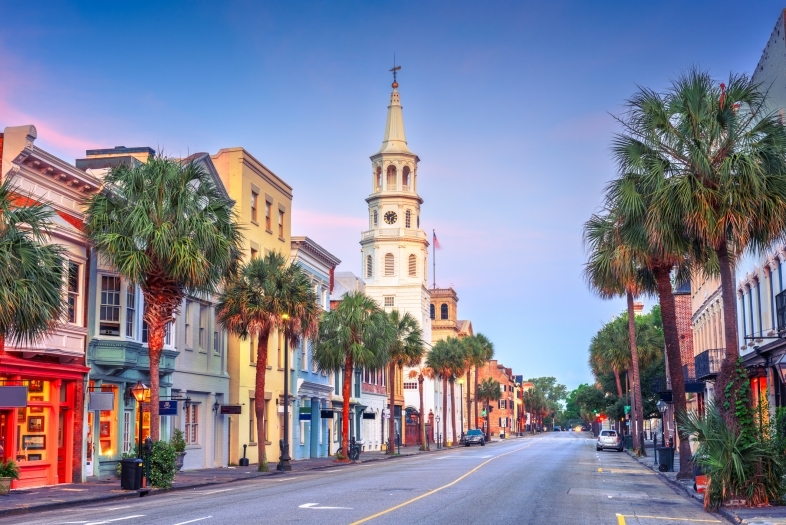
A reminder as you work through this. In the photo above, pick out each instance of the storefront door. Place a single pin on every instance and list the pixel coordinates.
(61, 449)
(5, 433)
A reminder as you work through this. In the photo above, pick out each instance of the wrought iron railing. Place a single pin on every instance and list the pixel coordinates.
(708, 363)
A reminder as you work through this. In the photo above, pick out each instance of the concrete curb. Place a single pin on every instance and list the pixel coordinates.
(44, 506)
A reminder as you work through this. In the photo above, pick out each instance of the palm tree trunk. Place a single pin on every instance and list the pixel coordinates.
(155, 344)
(469, 403)
(392, 407)
(259, 398)
(454, 441)
(477, 401)
(444, 409)
(638, 413)
(726, 373)
(423, 437)
(671, 336)
(619, 383)
(346, 391)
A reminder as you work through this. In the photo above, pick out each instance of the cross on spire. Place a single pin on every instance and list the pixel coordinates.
(395, 70)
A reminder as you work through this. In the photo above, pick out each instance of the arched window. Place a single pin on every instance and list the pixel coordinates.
(378, 180)
(433, 312)
(391, 185)
(369, 266)
(405, 178)
(408, 219)
(413, 266)
(376, 218)
(443, 311)
(389, 265)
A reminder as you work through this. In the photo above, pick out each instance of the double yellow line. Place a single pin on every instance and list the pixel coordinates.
(429, 493)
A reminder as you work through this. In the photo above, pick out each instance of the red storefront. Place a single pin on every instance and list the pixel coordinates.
(45, 437)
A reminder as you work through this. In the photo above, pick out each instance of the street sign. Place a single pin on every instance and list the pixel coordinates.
(627, 409)
(230, 409)
(326, 414)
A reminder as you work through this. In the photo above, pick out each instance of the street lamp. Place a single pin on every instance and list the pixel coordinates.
(284, 460)
(662, 407)
(139, 391)
(438, 434)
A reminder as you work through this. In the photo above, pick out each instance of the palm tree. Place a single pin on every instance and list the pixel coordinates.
(166, 228)
(356, 333)
(483, 352)
(488, 390)
(267, 295)
(458, 364)
(406, 349)
(439, 360)
(421, 372)
(609, 353)
(31, 282)
(722, 155)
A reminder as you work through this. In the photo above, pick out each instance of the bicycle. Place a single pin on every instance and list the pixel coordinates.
(354, 450)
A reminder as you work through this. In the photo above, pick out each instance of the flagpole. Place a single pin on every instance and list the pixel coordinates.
(434, 257)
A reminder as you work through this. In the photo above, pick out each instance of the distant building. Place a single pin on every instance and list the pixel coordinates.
(502, 414)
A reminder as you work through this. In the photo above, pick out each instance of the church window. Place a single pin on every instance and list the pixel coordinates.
(408, 219)
(378, 179)
(443, 311)
(405, 178)
(369, 266)
(391, 182)
(433, 313)
(413, 266)
(389, 265)
(390, 300)
(376, 217)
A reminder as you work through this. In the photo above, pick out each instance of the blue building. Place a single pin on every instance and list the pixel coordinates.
(311, 390)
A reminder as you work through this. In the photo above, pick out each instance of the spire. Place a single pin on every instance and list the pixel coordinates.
(395, 140)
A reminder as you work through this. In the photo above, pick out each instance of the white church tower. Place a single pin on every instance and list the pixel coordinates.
(395, 248)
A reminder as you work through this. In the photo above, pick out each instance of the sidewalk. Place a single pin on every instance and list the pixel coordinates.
(742, 515)
(70, 494)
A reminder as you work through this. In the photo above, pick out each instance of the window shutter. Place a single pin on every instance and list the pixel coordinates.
(389, 266)
(369, 266)
(413, 266)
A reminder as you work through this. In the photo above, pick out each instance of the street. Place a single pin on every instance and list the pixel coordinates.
(550, 478)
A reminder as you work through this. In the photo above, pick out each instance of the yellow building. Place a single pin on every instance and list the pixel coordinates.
(264, 208)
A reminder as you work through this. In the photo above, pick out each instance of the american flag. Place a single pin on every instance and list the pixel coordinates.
(437, 246)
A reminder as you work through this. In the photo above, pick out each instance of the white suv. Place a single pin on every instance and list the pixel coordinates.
(609, 439)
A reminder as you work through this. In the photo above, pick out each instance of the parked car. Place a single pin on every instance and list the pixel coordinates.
(557, 428)
(610, 439)
(474, 437)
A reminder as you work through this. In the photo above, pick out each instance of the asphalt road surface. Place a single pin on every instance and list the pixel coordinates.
(552, 478)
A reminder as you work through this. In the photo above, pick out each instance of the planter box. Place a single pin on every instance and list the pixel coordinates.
(5, 486)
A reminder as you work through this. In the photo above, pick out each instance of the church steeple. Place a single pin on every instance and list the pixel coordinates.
(395, 140)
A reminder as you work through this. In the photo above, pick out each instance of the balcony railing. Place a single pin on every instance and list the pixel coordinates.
(708, 363)
(394, 232)
(691, 383)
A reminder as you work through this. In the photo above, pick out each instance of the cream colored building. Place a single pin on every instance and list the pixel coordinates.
(264, 208)
(395, 248)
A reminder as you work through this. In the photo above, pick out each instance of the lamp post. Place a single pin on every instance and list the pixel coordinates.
(662, 407)
(438, 435)
(139, 391)
(284, 460)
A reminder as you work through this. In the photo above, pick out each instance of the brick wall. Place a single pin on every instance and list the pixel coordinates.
(682, 306)
(499, 373)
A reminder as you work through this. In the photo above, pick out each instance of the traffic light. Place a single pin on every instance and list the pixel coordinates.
(483, 413)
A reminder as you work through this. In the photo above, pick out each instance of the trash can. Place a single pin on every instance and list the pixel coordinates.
(629, 442)
(131, 474)
(665, 459)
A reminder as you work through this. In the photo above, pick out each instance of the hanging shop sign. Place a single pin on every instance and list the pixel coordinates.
(13, 396)
(230, 409)
(167, 408)
(101, 401)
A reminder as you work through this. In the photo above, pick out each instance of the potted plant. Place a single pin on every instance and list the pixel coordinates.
(8, 472)
(179, 444)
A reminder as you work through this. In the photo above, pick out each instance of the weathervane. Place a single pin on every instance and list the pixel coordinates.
(395, 70)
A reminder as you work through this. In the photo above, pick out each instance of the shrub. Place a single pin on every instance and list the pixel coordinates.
(163, 465)
(8, 469)
(177, 441)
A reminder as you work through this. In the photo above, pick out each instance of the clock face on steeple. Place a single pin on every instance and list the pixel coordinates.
(390, 217)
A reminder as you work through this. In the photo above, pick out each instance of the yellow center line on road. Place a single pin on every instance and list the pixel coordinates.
(621, 519)
(429, 493)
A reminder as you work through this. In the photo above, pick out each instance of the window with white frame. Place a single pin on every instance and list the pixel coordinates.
(73, 291)
(304, 355)
(202, 335)
(189, 340)
(130, 309)
(252, 428)
(410, 385)
(390, 300)
(126, 431)
(192, 424)
(109, 308)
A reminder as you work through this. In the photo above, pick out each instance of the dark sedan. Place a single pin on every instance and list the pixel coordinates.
(474, 437)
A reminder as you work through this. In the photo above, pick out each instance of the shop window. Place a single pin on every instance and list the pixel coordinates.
(109, 318)
(32, 423)
(73, 291)
(107, 421)
(130, 310)
(192, 425)
(126, 431)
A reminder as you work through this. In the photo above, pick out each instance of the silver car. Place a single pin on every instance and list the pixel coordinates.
(609, 439)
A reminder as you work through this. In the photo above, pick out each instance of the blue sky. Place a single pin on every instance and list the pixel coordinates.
(507, 104)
